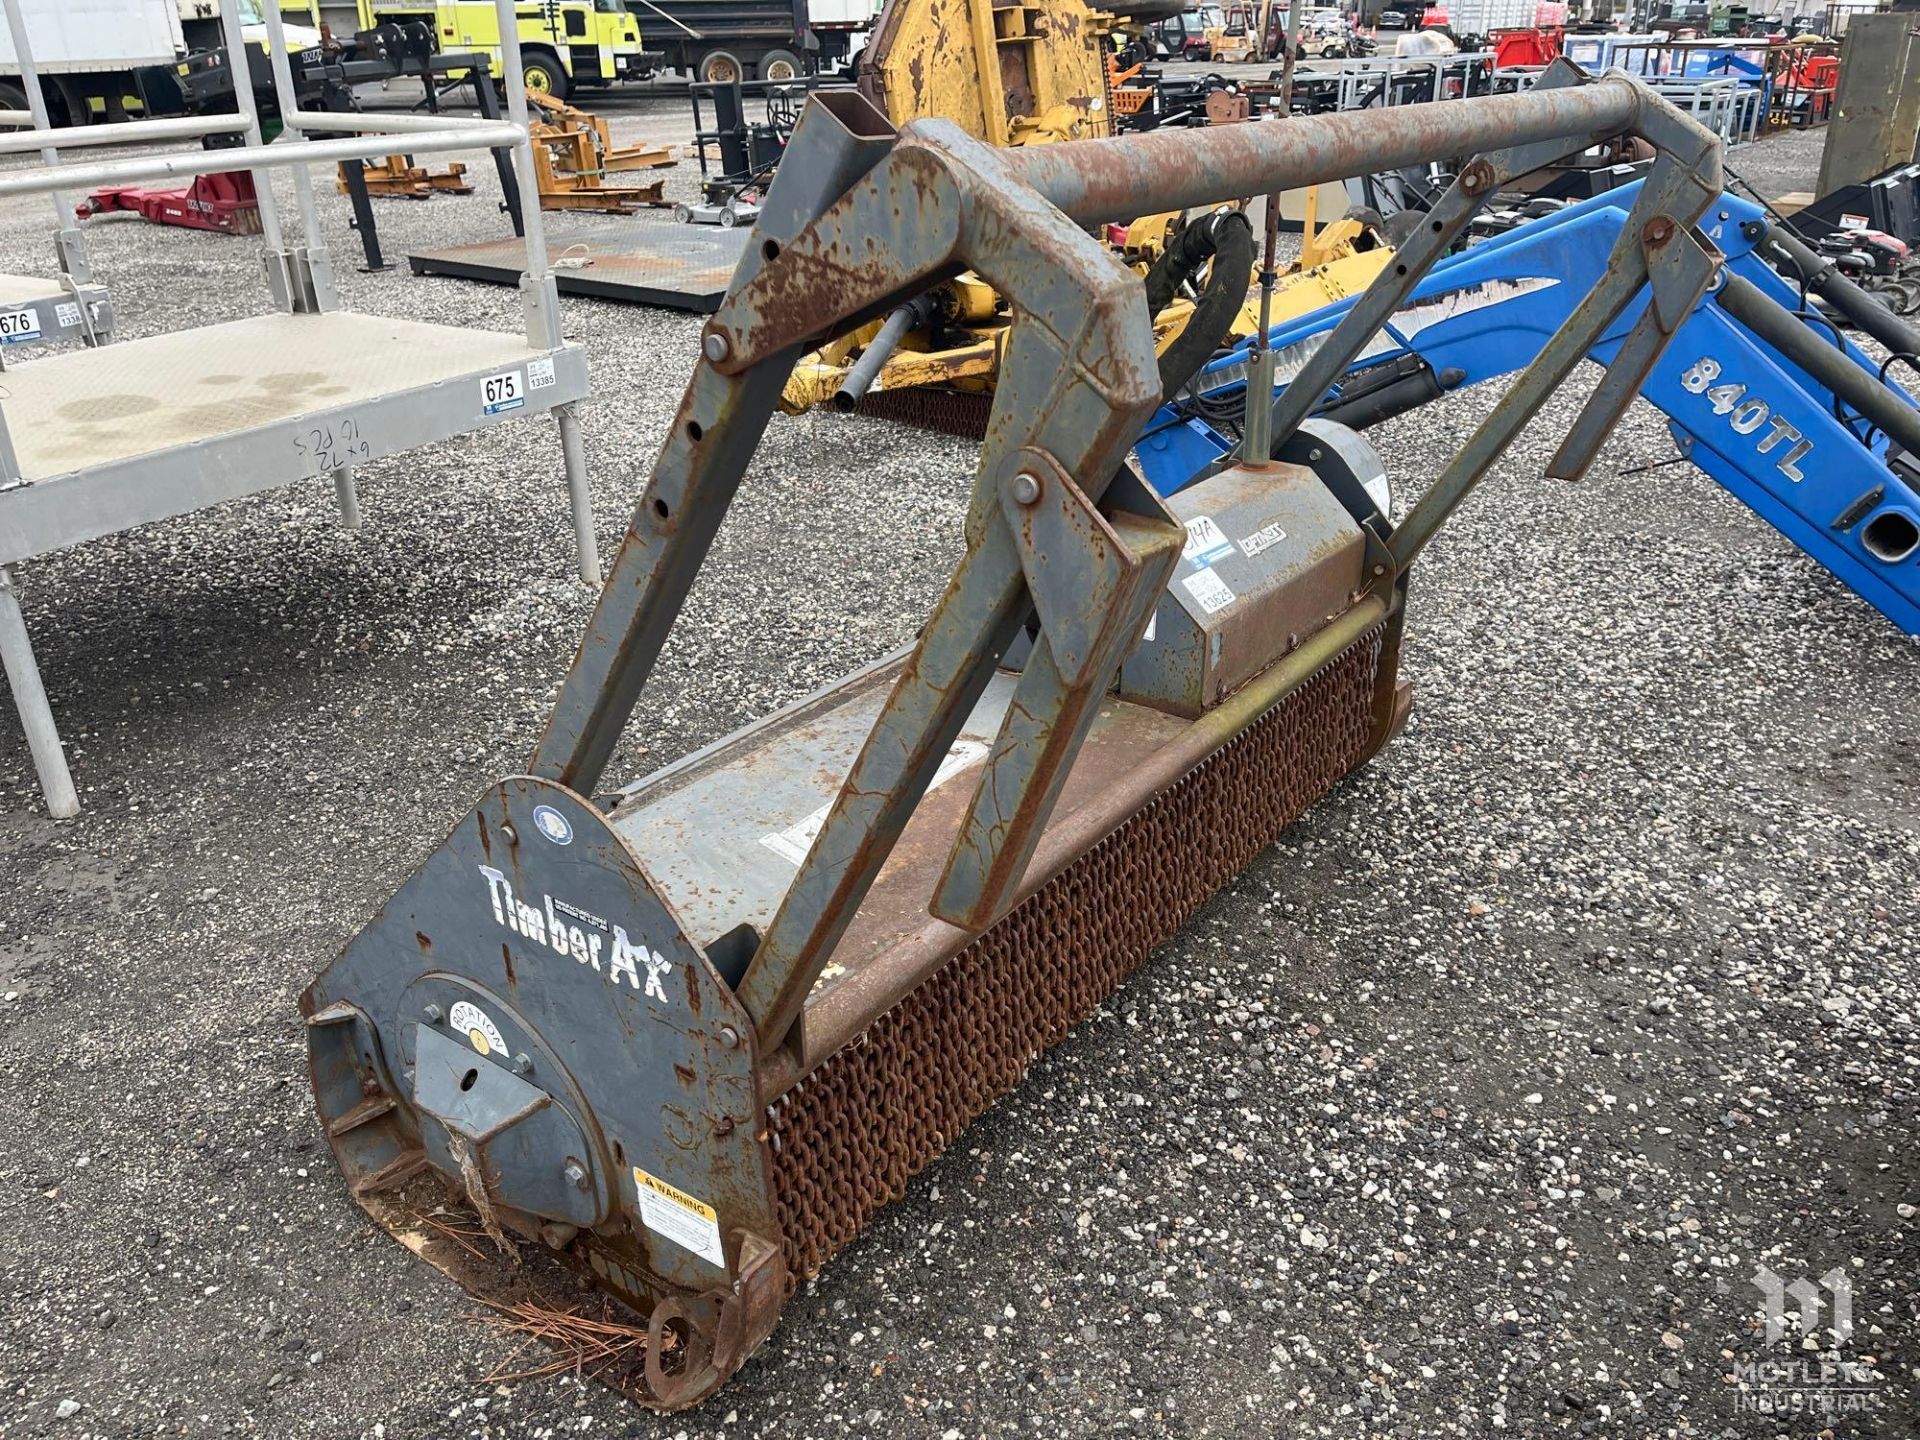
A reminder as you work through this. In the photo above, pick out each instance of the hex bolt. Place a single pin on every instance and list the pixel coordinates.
(576, 1174)
(1026, 487)
(1315, 453)
(716, 347)
(523, 1064)
(434, 1014)
(729, 1036)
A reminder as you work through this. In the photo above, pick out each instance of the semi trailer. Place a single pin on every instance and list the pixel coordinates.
(98, 60)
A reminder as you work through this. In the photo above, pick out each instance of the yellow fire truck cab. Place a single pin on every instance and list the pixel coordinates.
(565, 44)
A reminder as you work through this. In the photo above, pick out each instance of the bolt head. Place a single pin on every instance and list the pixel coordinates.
(523, 1064)
(1026, 487)
(576, 1174)
(434, 1014)
(729, 1036)
(716, 347)
(510, 835)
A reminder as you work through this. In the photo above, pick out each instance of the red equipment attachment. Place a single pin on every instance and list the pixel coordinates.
(224, 202)
(1534, 45)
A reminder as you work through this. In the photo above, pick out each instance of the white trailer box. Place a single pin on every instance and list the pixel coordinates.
(77, 36)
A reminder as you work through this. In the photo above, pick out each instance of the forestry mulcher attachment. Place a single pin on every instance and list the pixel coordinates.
(690, 1035)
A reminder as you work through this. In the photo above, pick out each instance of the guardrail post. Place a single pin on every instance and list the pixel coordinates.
(539, 295)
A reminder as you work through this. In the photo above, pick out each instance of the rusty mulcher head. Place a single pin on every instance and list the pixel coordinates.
(689, 1035)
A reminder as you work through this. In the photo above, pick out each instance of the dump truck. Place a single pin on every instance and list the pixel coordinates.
(775, 41)
(682, 1035)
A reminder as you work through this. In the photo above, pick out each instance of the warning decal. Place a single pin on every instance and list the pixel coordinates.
(689, 1223)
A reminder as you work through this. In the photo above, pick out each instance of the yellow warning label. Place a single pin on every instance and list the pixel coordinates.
(678, 1197)
(690, 1223)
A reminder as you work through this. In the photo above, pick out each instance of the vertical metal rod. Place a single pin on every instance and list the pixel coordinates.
(1626, 273)
(30, 698)
(289, 103)
(503, 157)
(349, 497)
(579, 498)
(233, 36)
(536, 231)
(36, 102)
(1257, 435)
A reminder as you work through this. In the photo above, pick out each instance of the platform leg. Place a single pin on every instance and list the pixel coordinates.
(30, 698)
(575, 454)
(349, 495)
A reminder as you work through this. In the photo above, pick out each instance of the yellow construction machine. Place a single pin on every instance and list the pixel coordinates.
(1025, 73)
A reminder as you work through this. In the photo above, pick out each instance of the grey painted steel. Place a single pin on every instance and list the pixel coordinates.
(873, 359)
(939, 200)
(1673, 196)
(1477, 184)
(693, 482)
(30, 698)
(348, 495)
(574, 453)
(649, 957)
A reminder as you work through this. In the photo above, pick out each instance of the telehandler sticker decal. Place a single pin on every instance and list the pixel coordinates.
(549, 924)
(470, 1020)
(689, 1223)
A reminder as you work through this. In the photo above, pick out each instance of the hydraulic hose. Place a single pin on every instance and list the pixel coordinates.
(918, 311)
(1226, 238)
(1823, 277)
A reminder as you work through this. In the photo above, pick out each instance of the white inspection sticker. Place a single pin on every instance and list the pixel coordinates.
(1265, 538)
(689, 1223)
(1209, 590)
(505, 391)
(1206, 541)
(792, 843)
(540, 372)
(67, 313)
(17, 325)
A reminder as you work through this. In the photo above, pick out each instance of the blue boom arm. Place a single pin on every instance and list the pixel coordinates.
(1738, 408)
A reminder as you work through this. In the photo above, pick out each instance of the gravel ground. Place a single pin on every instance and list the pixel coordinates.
(1473, 1105)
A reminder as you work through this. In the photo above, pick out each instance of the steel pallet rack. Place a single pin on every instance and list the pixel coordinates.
(99, 440)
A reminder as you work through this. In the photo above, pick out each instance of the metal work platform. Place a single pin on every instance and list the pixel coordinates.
(97, 441)
(35, 310)
(149, 429)
(644, 260)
